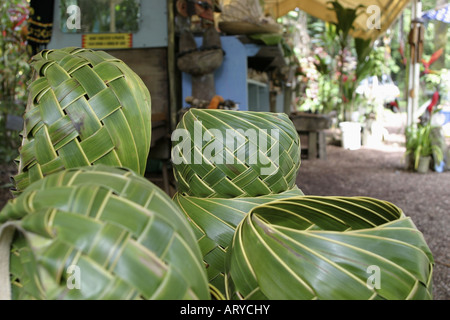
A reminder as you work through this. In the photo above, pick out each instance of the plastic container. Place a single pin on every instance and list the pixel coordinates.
(351, 135)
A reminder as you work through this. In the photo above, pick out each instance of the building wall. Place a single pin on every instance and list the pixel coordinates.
(151, 65)
(147, 57)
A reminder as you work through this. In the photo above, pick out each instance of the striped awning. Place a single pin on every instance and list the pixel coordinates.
(440, 14)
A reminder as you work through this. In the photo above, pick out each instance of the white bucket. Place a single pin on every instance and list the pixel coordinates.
(351, 135)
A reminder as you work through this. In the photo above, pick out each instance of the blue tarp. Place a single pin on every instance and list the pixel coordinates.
(442, 14)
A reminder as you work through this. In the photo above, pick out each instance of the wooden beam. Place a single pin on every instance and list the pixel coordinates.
(171, 65)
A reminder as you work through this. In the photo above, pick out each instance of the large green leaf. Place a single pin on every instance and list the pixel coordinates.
(85, 107)
(126, 236)
(328, 248)
(214, 222)
(345, 18)
(229, 154)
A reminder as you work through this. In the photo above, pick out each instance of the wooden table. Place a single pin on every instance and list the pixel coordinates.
(311, 129)
(314, 143)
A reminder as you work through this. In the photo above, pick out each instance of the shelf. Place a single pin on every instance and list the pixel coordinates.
(258, 95)
(257, 83)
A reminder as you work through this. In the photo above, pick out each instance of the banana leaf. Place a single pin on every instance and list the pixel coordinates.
(124, 235)
(214, 222)
(230, 154)
(84, 108)
(328, 248)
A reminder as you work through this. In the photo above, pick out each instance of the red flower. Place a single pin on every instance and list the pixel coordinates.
(433, 102)
(433, 58)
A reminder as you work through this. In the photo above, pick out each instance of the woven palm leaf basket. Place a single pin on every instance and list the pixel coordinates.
(214, 222)
(328, 248)
(84, 107)
(230, 154)
(98, 232)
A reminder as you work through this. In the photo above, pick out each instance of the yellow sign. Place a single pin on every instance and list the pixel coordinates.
(107, 40)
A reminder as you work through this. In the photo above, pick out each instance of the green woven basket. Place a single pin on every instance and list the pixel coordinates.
(329, 248)
(124, 235)
(85, 107)
(229, 154)
(214, 222)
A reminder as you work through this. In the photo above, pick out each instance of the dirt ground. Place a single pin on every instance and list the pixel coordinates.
(379, 172)
(374, 172)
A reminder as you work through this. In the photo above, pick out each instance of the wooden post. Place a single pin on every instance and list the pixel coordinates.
(171, 64)
(312, 145)
(112, 16)
(414, 66)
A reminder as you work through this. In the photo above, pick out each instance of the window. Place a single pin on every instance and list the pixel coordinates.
(100, 16)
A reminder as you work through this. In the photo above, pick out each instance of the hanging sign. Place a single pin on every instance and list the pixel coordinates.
(107, 40)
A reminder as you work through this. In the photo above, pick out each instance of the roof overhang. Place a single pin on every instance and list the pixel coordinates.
(389, 11)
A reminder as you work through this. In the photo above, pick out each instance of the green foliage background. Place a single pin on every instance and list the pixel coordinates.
(14, 72)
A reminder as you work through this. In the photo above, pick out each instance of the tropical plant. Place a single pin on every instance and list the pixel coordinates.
(328, 248)
(419, 143)
(328, 86)
(126, 236)
(321, 85)
(246, 154)
(14, 71)
(367, 60)
(324, 35)
(85, 107)
(345, 18)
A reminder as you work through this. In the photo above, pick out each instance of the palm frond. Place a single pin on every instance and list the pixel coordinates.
(214, 222)
(126, 236)
(228, 152)
(85, 107)
(326, 248)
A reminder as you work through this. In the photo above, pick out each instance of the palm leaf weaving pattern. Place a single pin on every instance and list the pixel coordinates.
(322, 248)
(234, 230)
(128, 238)
(214, 222)
(218, 178)
(85, 107)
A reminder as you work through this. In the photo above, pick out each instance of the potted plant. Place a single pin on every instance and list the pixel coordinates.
(420, 147)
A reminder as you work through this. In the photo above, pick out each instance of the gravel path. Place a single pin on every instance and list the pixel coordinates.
(379, 173)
